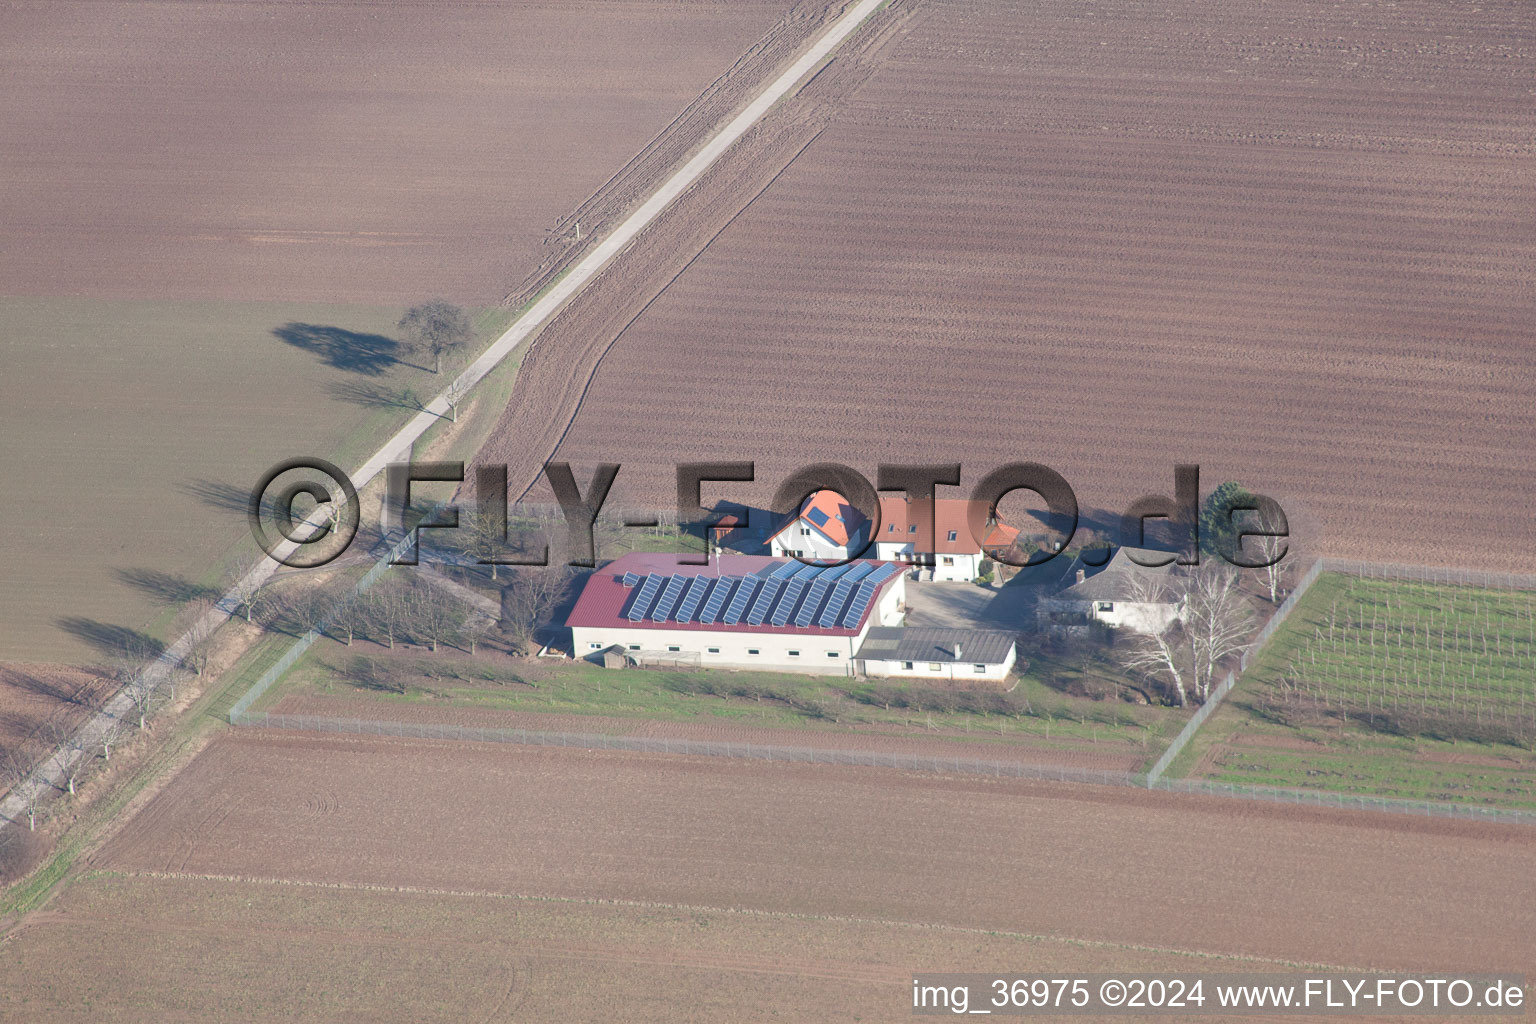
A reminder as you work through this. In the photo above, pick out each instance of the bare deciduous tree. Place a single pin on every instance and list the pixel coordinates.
(453, 395)
(111, 730)
(247, 592)
(528, 600)
(140, 691)
(198, 632)
(346, 616)
(1217, 622)
(18, 782)
(436, 326)
(475, 629)
(67, 754)
(384, 608)
(434, 615)
(1272, 550)
(1156, 649)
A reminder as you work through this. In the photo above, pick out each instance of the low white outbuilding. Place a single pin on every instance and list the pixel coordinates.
(959, 655)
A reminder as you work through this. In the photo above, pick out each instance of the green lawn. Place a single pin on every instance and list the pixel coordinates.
(492, 681)
(1386, 688)
(1442, 662)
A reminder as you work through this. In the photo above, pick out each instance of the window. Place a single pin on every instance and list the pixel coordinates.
(912, 528)
(953, 535)
(794, 654)
(978, 668)
(1104, 606)
(594, 645)
(934, 666)
(948, 560)
(891, 528)
(713, 650)
(833, 654)
(753, 650)
(805, 531)
(674, 648)
(634, 647)
(907, 666)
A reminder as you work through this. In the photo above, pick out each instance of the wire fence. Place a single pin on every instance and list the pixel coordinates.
(1429, 575)
(1191, 727)
(1223, 688)
(282, 665)
(241, 715)
(1283, 612)
(699, 748)
(868, 758)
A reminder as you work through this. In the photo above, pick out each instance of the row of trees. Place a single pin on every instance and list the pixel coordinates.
(72, 752)
(410, 605)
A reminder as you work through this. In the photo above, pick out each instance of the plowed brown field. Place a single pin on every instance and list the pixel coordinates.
(1122, 867)
(347, 152)
(1291, 242)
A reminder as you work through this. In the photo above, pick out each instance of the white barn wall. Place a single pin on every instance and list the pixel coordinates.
(773, 647)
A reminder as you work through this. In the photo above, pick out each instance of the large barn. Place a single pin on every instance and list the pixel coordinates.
(739, 611)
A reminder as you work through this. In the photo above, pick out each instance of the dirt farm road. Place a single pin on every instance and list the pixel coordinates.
(49, 774)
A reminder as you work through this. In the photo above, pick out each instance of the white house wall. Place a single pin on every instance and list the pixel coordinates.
(939, 670)
(810, 544)
(964, 568)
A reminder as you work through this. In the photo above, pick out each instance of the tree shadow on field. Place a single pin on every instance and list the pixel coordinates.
(223, 497)
(374, 396)
(163, 586)
(111, 640)
(369, 354)
(51, 688)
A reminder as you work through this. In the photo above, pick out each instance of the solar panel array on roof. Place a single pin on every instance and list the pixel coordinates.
(792, 592)
(819, 587)
(669, 596)
(723, 587)
(765, 598)
(690, 602)
(749, 586)
(855, 610)
(839, 599)
(865, 593)
(644, 598)
(857, 571)
(775, 594)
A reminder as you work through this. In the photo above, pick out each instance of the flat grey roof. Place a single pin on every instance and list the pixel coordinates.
(923, 643)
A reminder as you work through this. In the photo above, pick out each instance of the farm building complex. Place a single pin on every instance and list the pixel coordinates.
(759, 612)
(938, 536)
